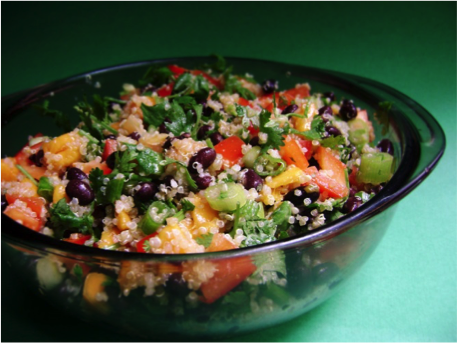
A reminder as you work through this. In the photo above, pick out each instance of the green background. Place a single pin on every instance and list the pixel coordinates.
(407, 290)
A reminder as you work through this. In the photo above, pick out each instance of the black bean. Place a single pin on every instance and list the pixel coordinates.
(76, 174)
(269, 86)
(352, 204)
(332, 131)
(216, 138)
(254, 141)
(348, 110)
(298, 195)
(147, 191)
(36, 158)
(205, 157)
(386, 145)
(111, 160)
(325, 110)
(4, 202)
(251, 179)
(111, 137)
(290, 109)
(135, 135)
(324, 273)
(330, 96)
(183, 136)
(326, 113)
(202, 181)
(163, 128)
(207, 111)
(80, 190)
(201, 134)
(168, 141)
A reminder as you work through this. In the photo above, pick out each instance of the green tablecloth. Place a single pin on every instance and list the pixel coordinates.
(407, 290)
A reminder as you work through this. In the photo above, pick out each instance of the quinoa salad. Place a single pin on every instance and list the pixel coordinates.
(195, 161)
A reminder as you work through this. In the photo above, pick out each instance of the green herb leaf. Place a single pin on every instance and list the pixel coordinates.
(205, 239)
(272, 129)
(63, 219)
(187, 205)
(61, 120)
(45, 188)
(233, 85)
(156, 76)
(149, 162)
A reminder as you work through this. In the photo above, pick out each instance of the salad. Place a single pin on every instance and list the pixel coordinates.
(193, 161)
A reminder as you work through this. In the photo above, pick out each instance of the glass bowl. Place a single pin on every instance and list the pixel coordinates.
(292, 275)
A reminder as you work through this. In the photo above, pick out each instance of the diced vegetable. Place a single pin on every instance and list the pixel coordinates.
(290, 176)
(266, 165)
(226, 196)
(230, 149)
(154, 217)
(292, 154)
(375, 168)
(359, 133)
(250, 157)
(48, 273)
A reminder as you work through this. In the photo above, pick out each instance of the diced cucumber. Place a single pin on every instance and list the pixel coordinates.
(375, 168)
(155, 217)
(48, 273)
(359, 133)
(226, 196)
(251, 156)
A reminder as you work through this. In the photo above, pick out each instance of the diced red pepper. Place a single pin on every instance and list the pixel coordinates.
(329, 162)
(22, 158)
(176, 70)
(110, 147)
(243, 102)
(291, 94)
(328, 187)
(229, 274)
(253, 130)
(23, 217)
(77, 238)
(140, 246)
(230, 149)
(34, 203)
(292, 154)
(308, 145)
(165, 90)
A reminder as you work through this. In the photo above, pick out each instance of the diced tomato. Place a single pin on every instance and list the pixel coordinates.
(34, 203)
(24, 217)
(292, 154)
(308, 145)
(230, 149)
(140, 246)
(110, 147)
(77, 238)
(176, 70)
(230, 272)
(165, 90)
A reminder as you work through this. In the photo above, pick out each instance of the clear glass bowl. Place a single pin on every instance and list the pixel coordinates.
(297, 274)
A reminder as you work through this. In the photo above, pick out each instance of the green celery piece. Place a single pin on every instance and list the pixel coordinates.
(375, 168)
(358, 133)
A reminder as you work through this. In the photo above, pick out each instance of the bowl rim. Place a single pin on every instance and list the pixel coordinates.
(401, 184)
